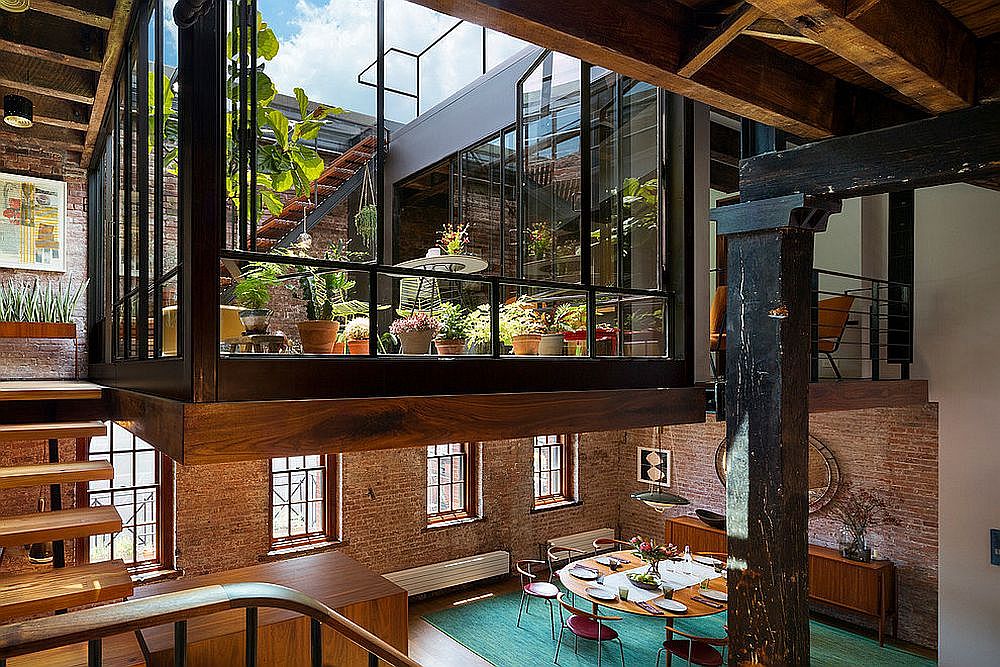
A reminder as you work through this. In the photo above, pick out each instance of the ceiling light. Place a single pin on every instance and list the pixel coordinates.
(16, 6)
(17, 109)
(660, 500)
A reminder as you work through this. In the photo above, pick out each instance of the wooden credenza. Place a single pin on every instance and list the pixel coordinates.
(868, 589)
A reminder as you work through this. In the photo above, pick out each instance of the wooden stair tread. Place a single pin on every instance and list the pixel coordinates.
(45, 591)
(88, 429)
(55, 473)
(60, 525)
(43, 390)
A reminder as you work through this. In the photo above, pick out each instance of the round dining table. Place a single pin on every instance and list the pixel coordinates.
(695, 608)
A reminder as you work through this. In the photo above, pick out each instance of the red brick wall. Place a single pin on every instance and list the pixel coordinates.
(49, 358)
(894, 450)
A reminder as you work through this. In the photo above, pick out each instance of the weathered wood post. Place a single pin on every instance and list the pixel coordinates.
(767, 380)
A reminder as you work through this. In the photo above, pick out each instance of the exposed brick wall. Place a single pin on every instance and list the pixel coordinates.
(894, 450)
(49, 358)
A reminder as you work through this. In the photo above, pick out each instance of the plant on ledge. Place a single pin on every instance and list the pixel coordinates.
(860, 511)
(454, 328)
(415, 332)
(52, 303)
(520, 327)
(253, 294)
(357, 333)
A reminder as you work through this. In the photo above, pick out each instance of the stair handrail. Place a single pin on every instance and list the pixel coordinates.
(97, 623)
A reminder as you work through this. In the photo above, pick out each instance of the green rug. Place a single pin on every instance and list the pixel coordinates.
(486, 627)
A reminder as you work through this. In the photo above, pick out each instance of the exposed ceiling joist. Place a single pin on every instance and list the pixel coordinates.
(71, 13)
(60, 139)
(914, 46)
(61, 122)
(773, 29)
(115, 42)
(50, 56)
(718, 39)
(748, 78)
(38, 89)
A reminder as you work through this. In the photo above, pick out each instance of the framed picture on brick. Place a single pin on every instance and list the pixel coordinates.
(32, 223)
(653, 466)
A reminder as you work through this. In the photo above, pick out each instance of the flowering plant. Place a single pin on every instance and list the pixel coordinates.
(357, 329)
(414, 323)
(538, 238)
(453, 239)
(650, 552)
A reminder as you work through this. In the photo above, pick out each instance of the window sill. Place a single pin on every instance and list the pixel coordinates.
(562, 504)
(153, 576)
(451, 523)
(282, 552)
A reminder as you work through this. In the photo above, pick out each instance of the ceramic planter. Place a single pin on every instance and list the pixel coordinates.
(358, 346)
(318, 336)
(255, 321)
(450, 348)
(551, 345)
(526, 344)
(416, 342)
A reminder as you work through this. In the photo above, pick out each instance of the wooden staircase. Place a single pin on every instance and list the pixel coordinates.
(49, 589)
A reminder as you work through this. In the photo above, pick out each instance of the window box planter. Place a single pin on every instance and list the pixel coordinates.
(37, 330)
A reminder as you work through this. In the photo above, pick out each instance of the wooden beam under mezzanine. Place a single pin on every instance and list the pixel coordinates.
(651, 41)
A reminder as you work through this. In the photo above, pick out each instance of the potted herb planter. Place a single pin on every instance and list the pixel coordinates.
(415, 333)
(318, 336)
(449, 348)
(551, 345)
(526, 344)
(454, 322)
(255, 320)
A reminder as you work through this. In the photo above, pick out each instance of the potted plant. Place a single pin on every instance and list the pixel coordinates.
(552, 342)
(415, 332)
(453, 239)
(322, 292)
(859, 511)
(357, 333)
(572, 320)
(520, 328)
(478, 330)
(454, 329)
(38, 311)
(253, 294)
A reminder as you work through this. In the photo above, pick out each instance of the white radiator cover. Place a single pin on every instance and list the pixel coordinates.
(438, 576)
(582, 541)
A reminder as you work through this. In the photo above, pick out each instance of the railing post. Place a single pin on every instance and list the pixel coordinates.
(251, 637)
(874, 337)
(372, 659)
(814, 328)
(316, 642)
(94, 652)
(180, 643)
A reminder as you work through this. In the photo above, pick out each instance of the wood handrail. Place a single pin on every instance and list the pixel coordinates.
(50, 632)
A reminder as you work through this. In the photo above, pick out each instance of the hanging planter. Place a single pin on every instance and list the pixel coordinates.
(366, 219)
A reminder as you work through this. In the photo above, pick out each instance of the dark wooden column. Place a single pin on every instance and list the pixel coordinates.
(770, 245)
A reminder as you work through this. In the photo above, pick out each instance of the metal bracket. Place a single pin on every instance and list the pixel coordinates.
(798, 211)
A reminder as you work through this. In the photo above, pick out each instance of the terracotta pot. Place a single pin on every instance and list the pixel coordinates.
(318, 336)
(416, 342)
(576, 348)
(526, 344)
(450, 348)
(340, 347)
(551, 345)
(255, 321)
(358, 346)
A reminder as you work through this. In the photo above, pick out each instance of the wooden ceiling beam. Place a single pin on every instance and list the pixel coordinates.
(109, 64)
(49, 55)
(775, 30)
(914, 46)
(648, 41)
(718, 39)
(71, 13)
(38, 89)
(61, 122)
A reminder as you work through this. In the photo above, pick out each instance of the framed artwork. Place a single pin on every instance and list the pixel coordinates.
(653, 466)
(32, 223)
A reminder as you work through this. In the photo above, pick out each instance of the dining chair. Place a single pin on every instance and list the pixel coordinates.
(556, 555)
(696, 650)
(832, 315)
(608, 543)
(588, 626)
(530, 588)
(717, 327)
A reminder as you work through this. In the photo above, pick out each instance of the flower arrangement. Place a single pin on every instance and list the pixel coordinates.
(538, 238)
(858, 511)
(453, 239)
(357, 329)
(652, 553)
(418, 322)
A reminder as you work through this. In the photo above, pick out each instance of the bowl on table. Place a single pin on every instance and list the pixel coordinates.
(710, 518)
(645, 581)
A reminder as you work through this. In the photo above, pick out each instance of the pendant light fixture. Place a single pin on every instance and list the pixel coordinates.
(16, 6)
(656, 498)
(17, 110)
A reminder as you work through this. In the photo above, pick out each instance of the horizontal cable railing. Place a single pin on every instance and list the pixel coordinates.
(94, 625)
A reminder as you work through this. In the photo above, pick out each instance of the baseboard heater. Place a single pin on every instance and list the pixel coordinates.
(582, 541)
(438, 576)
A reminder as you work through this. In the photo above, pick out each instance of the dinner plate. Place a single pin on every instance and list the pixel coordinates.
(603, 560)
(670, 605)
(586, 575)
(713, 594)
(707, 560)
(601, 594)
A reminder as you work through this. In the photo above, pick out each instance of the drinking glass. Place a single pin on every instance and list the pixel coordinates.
(623, 593)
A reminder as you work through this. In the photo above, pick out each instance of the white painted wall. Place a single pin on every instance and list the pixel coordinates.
(956, 339)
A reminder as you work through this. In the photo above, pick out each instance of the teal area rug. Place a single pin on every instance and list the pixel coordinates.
(486, 627)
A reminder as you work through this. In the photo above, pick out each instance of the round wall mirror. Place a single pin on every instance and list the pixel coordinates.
(824, 473)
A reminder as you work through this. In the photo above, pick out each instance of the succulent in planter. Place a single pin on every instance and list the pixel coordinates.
(454, 323)
(357, 333)
(415, 332)
(520, 327)
(253, 294)
(39, 302)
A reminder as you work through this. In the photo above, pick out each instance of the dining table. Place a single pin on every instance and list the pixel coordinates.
(674, 571)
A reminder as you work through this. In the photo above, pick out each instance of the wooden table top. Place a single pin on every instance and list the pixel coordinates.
(683, 595)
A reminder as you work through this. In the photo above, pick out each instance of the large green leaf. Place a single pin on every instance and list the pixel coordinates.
(282, 181)
(278, 122)
(266, 89)
(271, 201)
(308, 161)
(267, 44)
(300, 97)
(306, 131)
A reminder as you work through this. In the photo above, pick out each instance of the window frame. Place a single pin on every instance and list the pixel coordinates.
(470, 454)
(568, 443)
(331, 466)
(165, 537)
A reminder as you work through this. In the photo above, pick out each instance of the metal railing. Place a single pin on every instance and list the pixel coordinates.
(94, 625)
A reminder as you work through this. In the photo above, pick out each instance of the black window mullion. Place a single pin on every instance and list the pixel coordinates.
(158, 112)
(142, 187)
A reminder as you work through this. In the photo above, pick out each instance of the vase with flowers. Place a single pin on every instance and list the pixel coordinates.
(453, 239)
(858, 512)
(415, 332)
(652, 553)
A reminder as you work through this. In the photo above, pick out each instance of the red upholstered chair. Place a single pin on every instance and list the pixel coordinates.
(588, 626)
(530, 588)
(700, 651)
